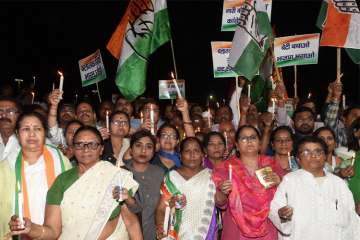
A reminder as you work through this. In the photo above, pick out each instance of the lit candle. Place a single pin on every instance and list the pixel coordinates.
(34, 80)
(344, 101)
(107, 121)
(226, 140)
(32, 97)
(273, 106)
(353, 159)
(289, 160)
(61, 82)
(309, 95)
(217, 105)
(176, 85)
(76, 98)
(21, 204)
(152, 120)
(141, 118)
(166, 219)
(230, 172)
(53, 87)
(249, 91)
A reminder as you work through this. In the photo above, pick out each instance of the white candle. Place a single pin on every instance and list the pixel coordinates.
(273, 106)
(289, 160)
(120, 191)
(21, 204)
(141, 118)
(226, 140)
(344, 101)
(34, 80)
(176, 85)
(53, 87)
(217, 105)
(353, 159)
(166, 219)
(249, 91)
(230, 172)
(61, 82)
(152, 120)
(107, 121)
(309, 95)
(32, 97)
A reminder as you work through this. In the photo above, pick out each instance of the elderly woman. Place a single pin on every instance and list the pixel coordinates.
(189, 191)
(311, 203)
(80, 204)
(115, 148)
(31, 173)
(242, 193)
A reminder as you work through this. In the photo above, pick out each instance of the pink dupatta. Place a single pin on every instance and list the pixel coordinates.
(249, 201)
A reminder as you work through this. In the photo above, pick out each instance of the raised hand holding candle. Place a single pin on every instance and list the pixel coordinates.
(230, 172)
(176, 85)
(61, 84)
(107, 121)
(152, 122)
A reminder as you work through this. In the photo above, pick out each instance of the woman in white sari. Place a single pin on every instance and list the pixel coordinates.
(29, 173)
(191, 189)
(80, 204)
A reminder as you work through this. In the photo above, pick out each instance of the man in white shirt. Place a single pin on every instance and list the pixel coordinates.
(311, 203)
(9, 112)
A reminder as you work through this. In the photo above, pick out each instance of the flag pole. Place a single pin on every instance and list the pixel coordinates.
(237, 95)
(173, 57)
(295, 81)
(97, 87)
(338, 64)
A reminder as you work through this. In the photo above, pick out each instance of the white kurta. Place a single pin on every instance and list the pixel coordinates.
(322, 209)
(10, 149)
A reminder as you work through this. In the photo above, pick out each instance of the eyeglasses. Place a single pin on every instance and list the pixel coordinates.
(318, 152)
(88, 145)
(248, 139)
(120, 123)
(302, 120)
(282, 140)
(8, 111)
(168, 136)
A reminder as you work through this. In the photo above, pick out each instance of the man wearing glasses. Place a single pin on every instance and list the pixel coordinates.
(9, 112)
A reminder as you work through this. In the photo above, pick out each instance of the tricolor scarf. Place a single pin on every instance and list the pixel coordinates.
(20, 179)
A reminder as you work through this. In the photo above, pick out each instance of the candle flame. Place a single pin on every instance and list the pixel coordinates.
(33, 93)
(310, 94)
(60, 73)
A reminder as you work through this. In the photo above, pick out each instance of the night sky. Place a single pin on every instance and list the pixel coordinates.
(38, 38)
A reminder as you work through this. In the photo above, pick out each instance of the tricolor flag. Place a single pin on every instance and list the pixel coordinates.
(144, 27)
(252, 38)
(340, 22)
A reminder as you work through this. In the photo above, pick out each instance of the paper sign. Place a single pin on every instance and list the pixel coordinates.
(231, 13)
(220, 55)
(167, 89)
(92, 69)
(296, 50)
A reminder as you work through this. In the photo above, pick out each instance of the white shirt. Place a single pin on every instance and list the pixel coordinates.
(321, 209)
(10, 149)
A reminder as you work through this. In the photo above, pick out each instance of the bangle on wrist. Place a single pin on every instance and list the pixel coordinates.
(187, 122)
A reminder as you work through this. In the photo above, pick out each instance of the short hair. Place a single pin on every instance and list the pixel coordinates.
(209, 135)
(325, 128)
(240, 129)
(168, 125)
(92, 130)
(74, 121)
(13, 100)
(37, 115)
(84, 102)
(188, 139)
(303, 109)
(141, 134)
(311, 139)
(120, 113)
(349, 109)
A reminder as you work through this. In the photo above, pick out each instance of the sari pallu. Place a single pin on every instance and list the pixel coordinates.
(197, 220)
(88, 203)
(249, 202)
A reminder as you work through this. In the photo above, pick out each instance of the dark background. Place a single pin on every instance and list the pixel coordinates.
(38, 37)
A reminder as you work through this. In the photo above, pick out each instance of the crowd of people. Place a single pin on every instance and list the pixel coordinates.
(137, 170)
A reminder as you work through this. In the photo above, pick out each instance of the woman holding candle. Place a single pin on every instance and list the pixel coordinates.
(116, 147)
(189, 192)
(33, 172)
(80, 204)
(215, 148)
(149, 177)
(245, 200)
(282, 142)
